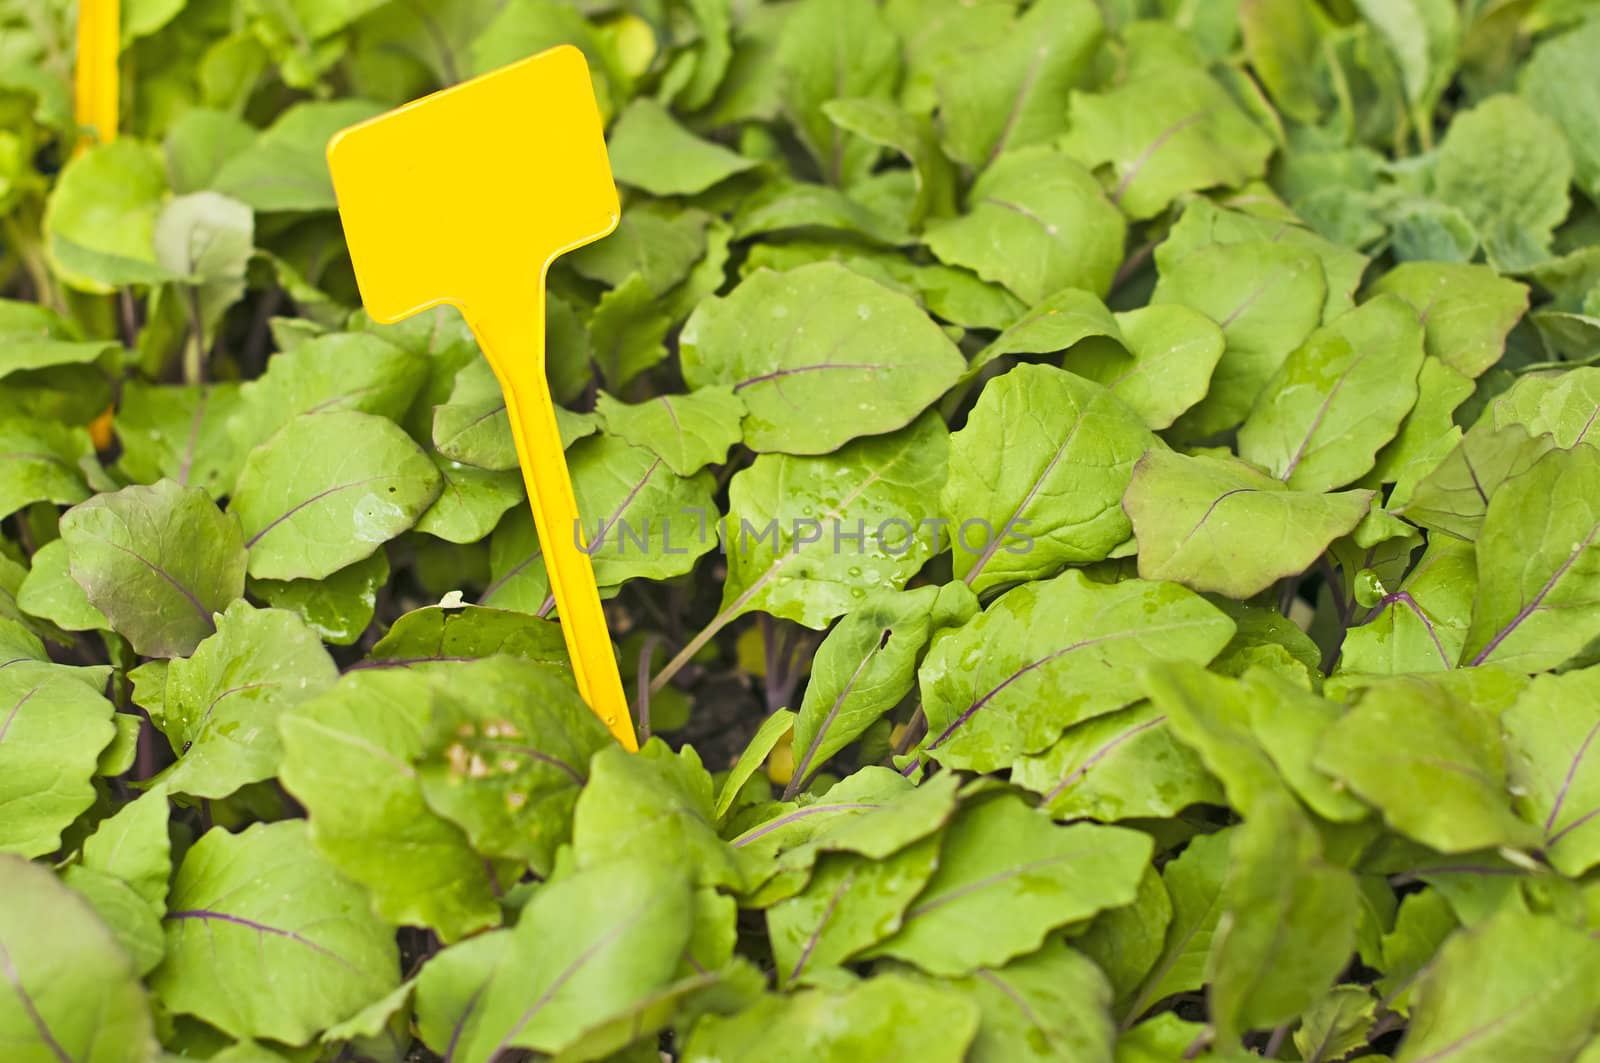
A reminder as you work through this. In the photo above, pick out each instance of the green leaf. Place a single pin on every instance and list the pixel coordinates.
(1510, 986)
(158, 562)
(381, 1025)
(1422, 923)
(471, 502)
(100, 222)
(1466, 310)
(863, 668)
(879, 823)
(651, 151)
(654, 805)
(890, 1016)
(1055, 324)
(640, 519)
(808, 537)
(206, 239)
(133, 845)
(1287, 927)
(1337, 1024)
(265, 939)
(1211, 714)
(120, 756)
(1164, 134)
(1538, 600)
(286, 168)
(1282, 39)
(437, 633)
(340, 371)
(1051, 1005)
(1160, 366)
(340, 607)
(1421, 625)
(518, 580)
(1201, 520)
(1119, 766)
(348, 757)
(222, 703)
(1560, 406)
(43, 462)
(514, 32)
(327, 491)
(720, 991)
(1424, 36)
(1050, 654)
(688, 432)
(133, 922)
(1039, 469)
(798, 347)
(447, 987)
(1425, 230)
(1266, 297)
(1267, 285)
(586, 947)
(1194, 883)
(69, 992)
(850, 904)
(656, 242)
(36, 338)
(198, 142)
(913, 136)
(628, 331)
(1453, 497)
(180, 433)
(1159, 1039)
(443, 339)
(1036, 222)
(1338, 398)
(1007, 876)
(1126, 942)
(52, 730)
(507, 765)
(1507, 168)
(1416, 449)
(1290, 722)
(933, 34)
(1007, 92)
(1262, 630)
(772, 731)
(829, 50)
(1560, 82)
(782, 205)
(1445, 785)
(472, 427)
(1554, 766)
(50, 593)
(955, 295)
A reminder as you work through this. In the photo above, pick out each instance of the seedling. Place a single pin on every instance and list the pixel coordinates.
(465, 197)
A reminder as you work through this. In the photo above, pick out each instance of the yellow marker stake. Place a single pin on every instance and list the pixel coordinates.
(465, 197)
(95, 74)
(94, 105)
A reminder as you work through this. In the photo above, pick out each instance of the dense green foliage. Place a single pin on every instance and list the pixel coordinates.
(1099, 504)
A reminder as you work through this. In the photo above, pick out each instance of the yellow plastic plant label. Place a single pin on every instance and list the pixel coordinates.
(95, 70)
(94, 105)
(465, 197)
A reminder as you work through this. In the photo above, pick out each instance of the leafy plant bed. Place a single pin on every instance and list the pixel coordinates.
(1098, 503)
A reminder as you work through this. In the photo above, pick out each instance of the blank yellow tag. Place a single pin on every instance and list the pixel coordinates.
(465, 197)
(94, 87)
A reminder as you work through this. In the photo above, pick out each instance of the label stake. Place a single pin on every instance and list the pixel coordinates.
(465, 197)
